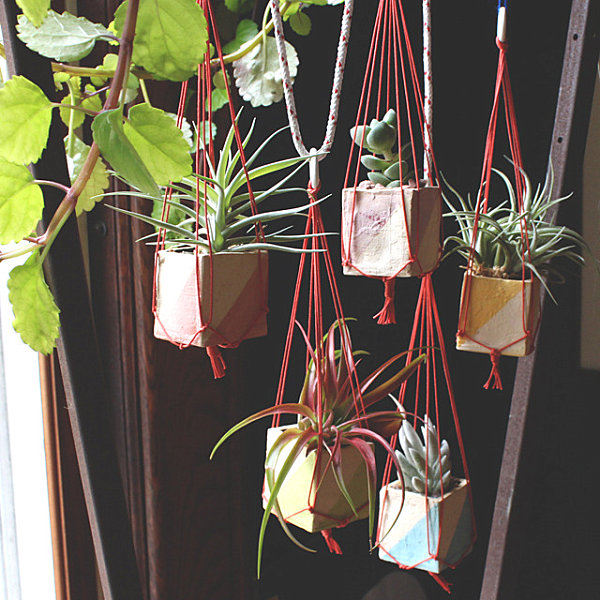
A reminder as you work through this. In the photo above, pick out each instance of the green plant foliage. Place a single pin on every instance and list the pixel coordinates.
(34, 10)
(109, 62)
(63, 37)
(159, 143)
(300, 22)
(245, 31)
(36, 314)
(501, 248)
(380, 137)
(426, 466)
(225, 206)
(170, 37)
(21, 202)
(26, 116)
(328, 419)
(115, 146)
(258, 75)
(77, 152)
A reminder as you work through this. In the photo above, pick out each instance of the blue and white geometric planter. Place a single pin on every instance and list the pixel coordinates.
(429, 533)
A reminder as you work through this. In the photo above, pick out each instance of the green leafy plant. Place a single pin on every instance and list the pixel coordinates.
(425, 466)
(140, 143)
(380, 138)
(328, 419)
(510, 238)
(225, 221)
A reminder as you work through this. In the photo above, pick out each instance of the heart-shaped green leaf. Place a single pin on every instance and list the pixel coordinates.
(63, 37)
(170, 37)
(115, 146)
(159, 143)
(25, 116)
(36, 314)
(21, 202)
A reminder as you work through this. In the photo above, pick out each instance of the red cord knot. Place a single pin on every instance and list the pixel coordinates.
(333, 546)
(387, 314)
(445, 585)
(502, 46)
(313, 191)
(216, 361)
(495, 372)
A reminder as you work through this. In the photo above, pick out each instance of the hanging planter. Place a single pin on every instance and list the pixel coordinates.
(321, 472)
(310, 497)
(510, 252)
(428, 524)
(211, 264)
(236, 284)
(498, 313)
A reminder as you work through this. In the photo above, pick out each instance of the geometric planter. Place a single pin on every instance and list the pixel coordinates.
(496, 312)
(299, 501)
(193, 310)
(429, 533)
(380, 227)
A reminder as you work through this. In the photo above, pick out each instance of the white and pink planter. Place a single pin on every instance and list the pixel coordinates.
(384, 229)
(211, 300)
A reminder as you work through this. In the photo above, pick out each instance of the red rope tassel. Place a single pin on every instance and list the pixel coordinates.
(445, 585)
(216, 360)
(495, 372)
(333, 546)
(387, 314)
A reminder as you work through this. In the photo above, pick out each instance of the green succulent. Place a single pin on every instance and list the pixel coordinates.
(225, 221)
(501, 248)
(425, 466)
(380, 137)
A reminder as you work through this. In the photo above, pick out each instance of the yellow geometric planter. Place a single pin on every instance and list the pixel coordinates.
(495, 312)
(314, 510)
(192, 309)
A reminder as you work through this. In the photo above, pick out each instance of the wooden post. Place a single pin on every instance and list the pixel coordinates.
(537, 372)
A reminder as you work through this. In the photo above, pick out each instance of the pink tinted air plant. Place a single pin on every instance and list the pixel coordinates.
(332, 418)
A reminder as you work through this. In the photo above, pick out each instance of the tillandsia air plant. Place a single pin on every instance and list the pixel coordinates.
(380, 138)
(425, 465)
(511, 239)
(225, 220)
(331, 417)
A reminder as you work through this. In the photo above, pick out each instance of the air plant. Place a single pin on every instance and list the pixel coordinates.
(380, 137)
(426, 466)
(510, 238)
(225, 220)
(328, 419)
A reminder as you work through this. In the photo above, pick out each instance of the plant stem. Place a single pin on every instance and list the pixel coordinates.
(68, 204)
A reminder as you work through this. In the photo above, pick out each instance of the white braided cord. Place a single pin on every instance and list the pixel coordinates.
(427, 92)
(336, 89)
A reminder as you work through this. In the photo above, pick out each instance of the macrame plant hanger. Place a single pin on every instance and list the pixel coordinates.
(391, 224)
(201, 305)
(467, 327)
(436, 532)
(320, 258)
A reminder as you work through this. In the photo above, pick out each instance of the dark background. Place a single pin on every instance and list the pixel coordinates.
(195, 523)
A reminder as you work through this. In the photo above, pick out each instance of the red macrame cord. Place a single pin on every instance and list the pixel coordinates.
(204, 146)
(503, 86)
(427, 336)
(390, 32)
(314, 225)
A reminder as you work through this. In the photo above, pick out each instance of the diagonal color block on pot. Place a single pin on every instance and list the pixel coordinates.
(298, 499)
(376, 230)
(493, 314)
(429, 533)
(193, 309)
